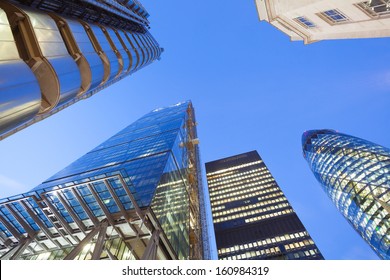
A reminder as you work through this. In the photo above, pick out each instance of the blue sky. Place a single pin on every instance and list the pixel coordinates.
(252, 89)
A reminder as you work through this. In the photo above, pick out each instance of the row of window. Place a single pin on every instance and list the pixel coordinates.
(254, 212)
(299, 244)
(272, 251)
(264, 242)
(233, 168)
(260, 198)
(254, 254)
(331, 16)
(249, 195)
(268, 216)
(250, 206)
(233, 175)
(374, 9)
(227, 185)
(236, 188)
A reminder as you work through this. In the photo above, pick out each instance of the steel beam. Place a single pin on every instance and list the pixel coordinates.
(163, 237)
(119, 231)
(150, 252)
(54, 225)
(3, 239)
(101, 204)
(110, 255)
(120, 206)
(41, 224)
(88, 238)
(91, 216)
(15, 252)
(116, 199)
(11, 228)
(21, 221)
(59, 217)
(141, 236)
(71, 212)
(132, 199)
(97, 251)
(30, 232)
(108, 214)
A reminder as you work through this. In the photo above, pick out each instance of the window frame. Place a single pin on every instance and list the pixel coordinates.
(332, 21)
(305, 22)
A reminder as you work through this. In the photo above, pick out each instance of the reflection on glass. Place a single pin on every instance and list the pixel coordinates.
(355, 174)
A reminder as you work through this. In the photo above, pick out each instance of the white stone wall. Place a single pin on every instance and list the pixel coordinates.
(281, 14)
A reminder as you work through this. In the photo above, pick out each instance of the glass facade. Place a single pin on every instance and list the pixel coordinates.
(252, 217)
(139, 188)
(355, 174)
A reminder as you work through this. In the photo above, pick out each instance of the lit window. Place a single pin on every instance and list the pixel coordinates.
(334, 16)
(305, 22)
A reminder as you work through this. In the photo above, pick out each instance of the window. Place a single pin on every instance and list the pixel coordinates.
(378, 8)
(305, 22)
(334, 16)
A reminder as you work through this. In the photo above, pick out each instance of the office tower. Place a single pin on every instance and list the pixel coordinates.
(135, 196)
(252, 217)
(317, 20)
(55, 53)
(355, 174)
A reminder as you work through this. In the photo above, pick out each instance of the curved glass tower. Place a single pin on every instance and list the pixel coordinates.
(355, 174)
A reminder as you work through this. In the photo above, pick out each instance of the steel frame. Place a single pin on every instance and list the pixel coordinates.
(78, 233)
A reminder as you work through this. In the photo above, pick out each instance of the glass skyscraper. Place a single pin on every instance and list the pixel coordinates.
(251, 215)
(55, 53)
(355, 174)
(135, 196)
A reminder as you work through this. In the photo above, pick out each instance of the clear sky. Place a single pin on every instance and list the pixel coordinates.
(252, 89)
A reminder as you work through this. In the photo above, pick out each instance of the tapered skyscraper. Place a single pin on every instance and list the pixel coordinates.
(55, 53)
(252, 217)
(138, 195)
(355, 174)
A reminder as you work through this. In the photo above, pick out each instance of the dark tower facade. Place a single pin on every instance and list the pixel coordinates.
(55, 53)
(355, 174)
(252, 217)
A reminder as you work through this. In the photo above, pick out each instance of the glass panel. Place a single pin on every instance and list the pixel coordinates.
(170, 205)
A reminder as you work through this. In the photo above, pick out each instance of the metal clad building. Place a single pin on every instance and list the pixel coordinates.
(55, 53)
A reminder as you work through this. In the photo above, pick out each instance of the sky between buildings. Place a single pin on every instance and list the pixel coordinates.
(252, 89)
